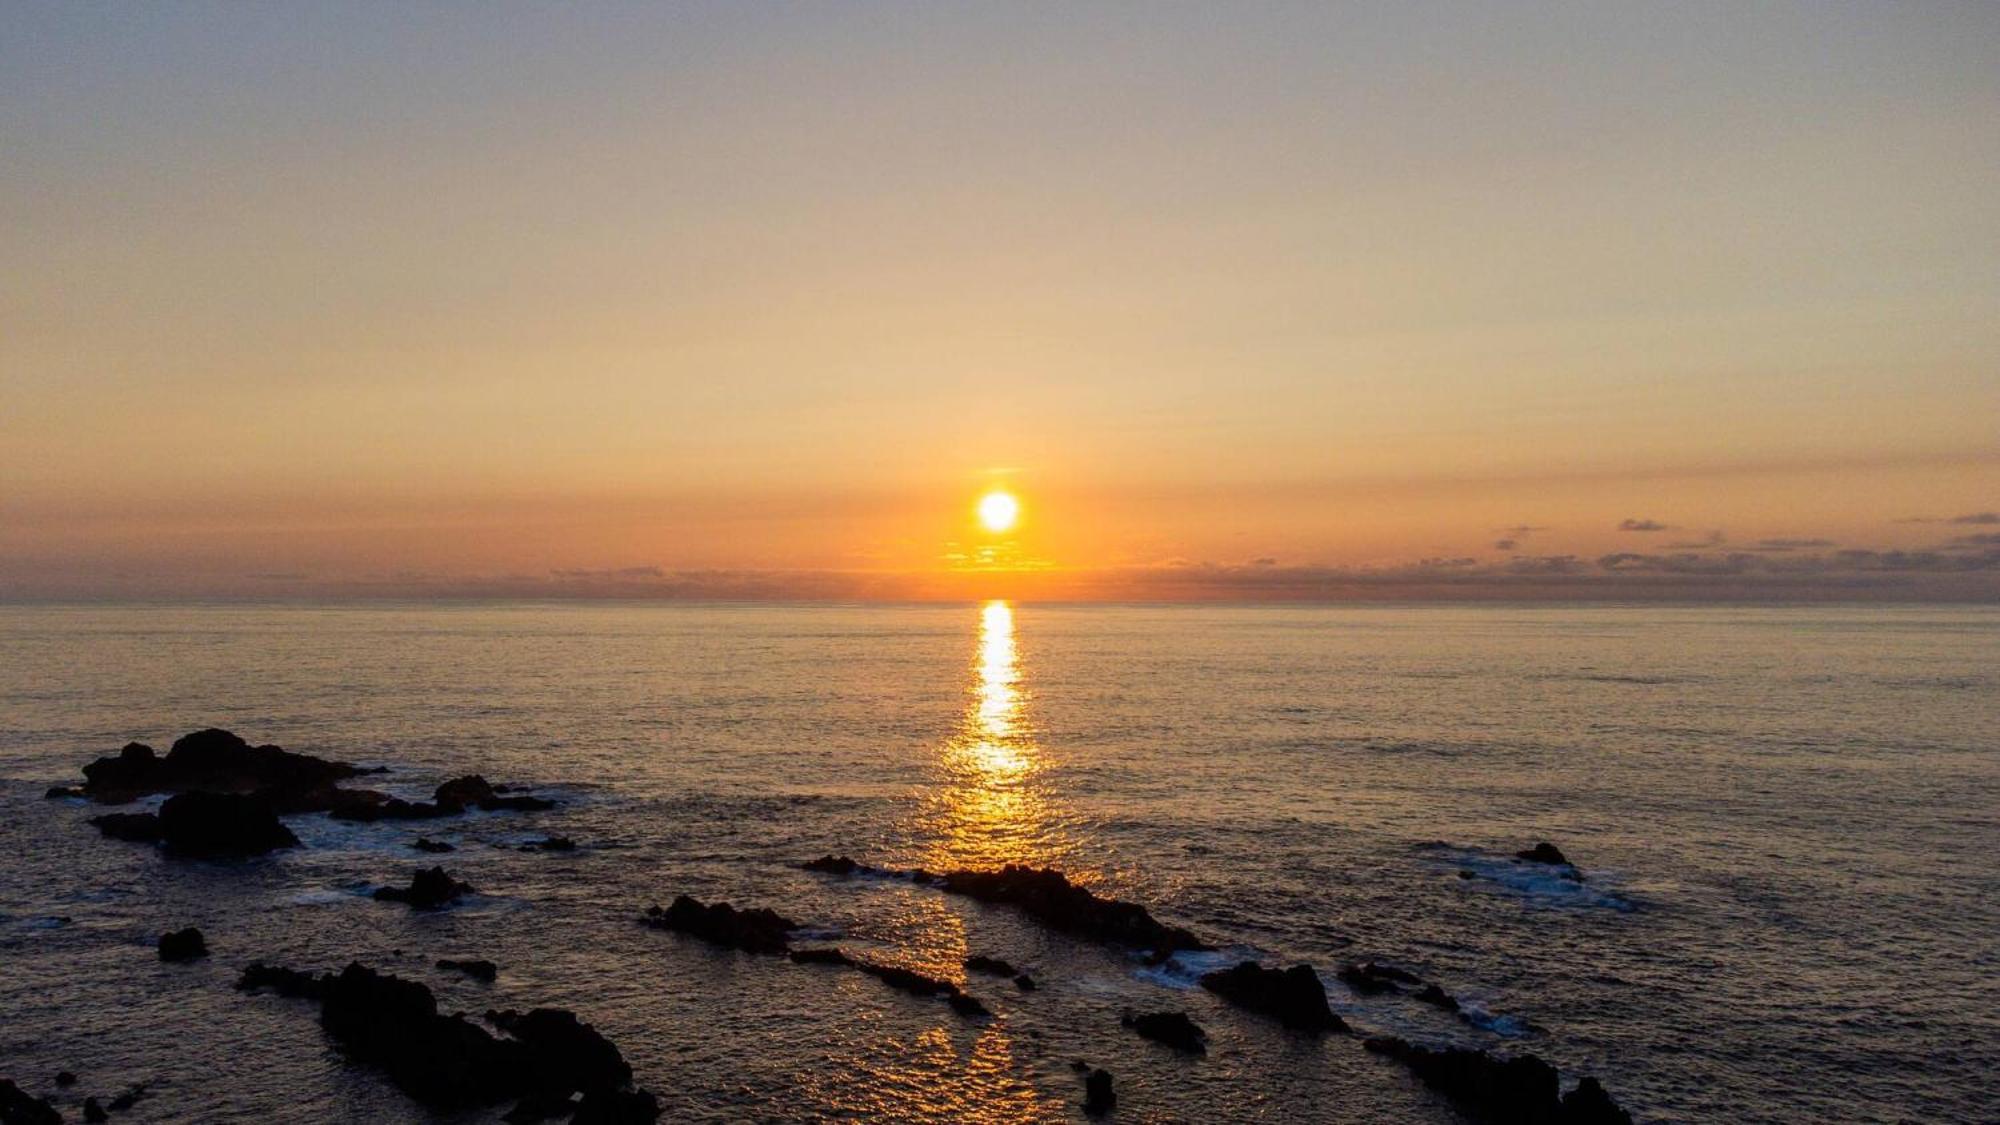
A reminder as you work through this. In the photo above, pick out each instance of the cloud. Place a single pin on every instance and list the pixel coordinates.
(623, 573)
(1987, 539)
(1641, 525)
(1792, 544)
(1505, 544)
(1982, 518)
(1265, 561)
(1712, 539)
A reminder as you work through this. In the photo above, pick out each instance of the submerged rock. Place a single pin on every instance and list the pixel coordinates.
(182, 945)
(59, 792)
(428, 890)
(94, 1112)
(477, 969)
(432, 846)
(1370, 978)
(834, 865)
(65, 1078)
(472, 791)
(128, 1099)
(991, 966)
(755, 930)
(1171, 1028)
(1098, 1096)
(1543, 852)
(17, 1108)
(1520, 1089)
(896, 977)
(1438, 997)
(1294, 996)
(200, 823)
(140, 828)
(1025, 983)
(1051, 899)
(550, 844)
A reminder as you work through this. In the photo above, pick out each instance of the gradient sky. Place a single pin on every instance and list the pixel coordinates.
(324, 298)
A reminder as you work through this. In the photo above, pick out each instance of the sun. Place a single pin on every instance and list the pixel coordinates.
(998, 510)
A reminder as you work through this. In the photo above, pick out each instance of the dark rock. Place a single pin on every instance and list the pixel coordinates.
(140, 828)
(212, 760)
(479, 970)
(183, 945)
(1294, 996)
(1432, 994)
(283, 981)
(1098, 1097)
(617, 1107)
(449, 1062)
(17, 1108)
(1025, 983)
(754, 931)
(1045, 895)
(1543, 852)
(991, 966)
(821, 957)
(200, 823)
(1370, 978)
(127, 1100)
(432, 846)
(564, 1053)
(1523, 1089)
(94, 1112)
(833, 865)
(1588, 1104)
(428, 890)
(58, 792)
(550, 844)
(463, 792)
(1172, 1028)
(517, 804)
(65, 1078)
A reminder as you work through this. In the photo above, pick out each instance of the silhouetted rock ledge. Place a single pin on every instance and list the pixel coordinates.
(753, 931)
(1171, 1028)
(896, 977)
(1370, 978)
(1098, 1096)
(428, 890)
(218, 762)
(1522, 1089)
(1543, 852)
(1294, 996)
(477, 969)
(1049, 898)
(200, 823)
(991, 966)
(182, 945)
(450, 1062)
(434, 847)
(17, 1108)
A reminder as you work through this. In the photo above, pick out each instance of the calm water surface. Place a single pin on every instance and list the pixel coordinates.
(1790, 822)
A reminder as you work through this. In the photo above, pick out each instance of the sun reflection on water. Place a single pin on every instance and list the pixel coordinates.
(993, 807)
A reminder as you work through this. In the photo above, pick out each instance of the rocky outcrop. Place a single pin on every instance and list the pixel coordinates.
(433, 847)
(1543, 852)
(1051, 899)
(1171, 1028)
(17, 1108)
(212, 760)
(428, 890)
(550, 844)
(140, 828)
(1437, 997)
(753, 931)
(204, 824)
(834, 865)
(183, 945)
(1370, 978)
(896, 977)
(1294, 997)
(991, 966)
(450, 1062)
(476, 969)
(1522, 1090)
(1098, 1096)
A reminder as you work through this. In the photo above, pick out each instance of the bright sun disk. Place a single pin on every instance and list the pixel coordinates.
(998, 510)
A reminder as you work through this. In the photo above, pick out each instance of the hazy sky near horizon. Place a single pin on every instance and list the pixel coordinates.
(340, 292)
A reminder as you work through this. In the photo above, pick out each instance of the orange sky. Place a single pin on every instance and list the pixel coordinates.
(425, 301)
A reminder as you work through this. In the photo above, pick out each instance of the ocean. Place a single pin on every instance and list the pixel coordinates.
(1787, 822)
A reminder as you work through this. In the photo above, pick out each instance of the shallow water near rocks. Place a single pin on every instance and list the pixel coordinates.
(1786, 821)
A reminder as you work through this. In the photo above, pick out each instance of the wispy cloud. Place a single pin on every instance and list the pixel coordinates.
(1641, 525)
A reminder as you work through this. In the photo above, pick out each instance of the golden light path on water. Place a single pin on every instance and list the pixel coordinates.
(989, 806)
(994, 807)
